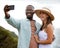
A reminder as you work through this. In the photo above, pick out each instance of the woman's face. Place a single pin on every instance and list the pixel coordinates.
(43, 16)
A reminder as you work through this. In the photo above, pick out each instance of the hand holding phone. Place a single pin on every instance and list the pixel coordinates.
(8, 8)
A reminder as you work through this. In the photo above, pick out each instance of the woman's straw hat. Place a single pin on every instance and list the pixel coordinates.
(45, 10)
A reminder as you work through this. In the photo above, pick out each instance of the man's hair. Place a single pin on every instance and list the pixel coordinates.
(31, 6)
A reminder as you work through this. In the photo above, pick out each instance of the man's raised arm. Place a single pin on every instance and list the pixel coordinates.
(15, 23)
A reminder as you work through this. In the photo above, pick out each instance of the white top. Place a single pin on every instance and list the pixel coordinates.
(43, 36)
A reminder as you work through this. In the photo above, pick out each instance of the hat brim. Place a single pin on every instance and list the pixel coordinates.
(49, 14)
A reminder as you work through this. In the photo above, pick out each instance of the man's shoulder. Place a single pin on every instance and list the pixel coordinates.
(23, 20)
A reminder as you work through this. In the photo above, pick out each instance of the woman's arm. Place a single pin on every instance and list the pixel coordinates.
(49, 40)
(49, 31)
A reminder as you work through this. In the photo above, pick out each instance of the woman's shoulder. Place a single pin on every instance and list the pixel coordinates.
(50, 26)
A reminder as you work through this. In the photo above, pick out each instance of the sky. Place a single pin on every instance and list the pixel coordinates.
(19, 11)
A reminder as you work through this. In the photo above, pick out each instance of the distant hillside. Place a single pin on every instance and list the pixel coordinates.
(8, 39)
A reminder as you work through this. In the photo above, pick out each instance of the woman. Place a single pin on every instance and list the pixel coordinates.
(45, 35)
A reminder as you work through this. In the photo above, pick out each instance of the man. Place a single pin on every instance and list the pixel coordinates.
(26, 28)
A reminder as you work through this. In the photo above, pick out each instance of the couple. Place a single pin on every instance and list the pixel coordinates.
(31, 33)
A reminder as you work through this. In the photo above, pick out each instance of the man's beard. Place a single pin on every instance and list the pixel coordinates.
(30, 17)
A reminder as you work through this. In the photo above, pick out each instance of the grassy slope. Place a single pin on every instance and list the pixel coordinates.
(8, 39)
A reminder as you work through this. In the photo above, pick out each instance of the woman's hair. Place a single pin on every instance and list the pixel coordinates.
(48, 22)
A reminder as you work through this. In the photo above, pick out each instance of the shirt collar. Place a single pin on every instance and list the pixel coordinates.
(29, 20)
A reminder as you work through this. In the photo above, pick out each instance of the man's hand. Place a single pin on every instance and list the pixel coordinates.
(6, 9)
(53, 38)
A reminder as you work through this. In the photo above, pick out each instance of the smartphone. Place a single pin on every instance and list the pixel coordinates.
(11, 7)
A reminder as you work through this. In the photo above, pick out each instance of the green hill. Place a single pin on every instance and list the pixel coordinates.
(8, 39)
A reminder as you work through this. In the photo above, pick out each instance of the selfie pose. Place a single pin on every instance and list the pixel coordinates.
(45, 35)
(26, 27)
